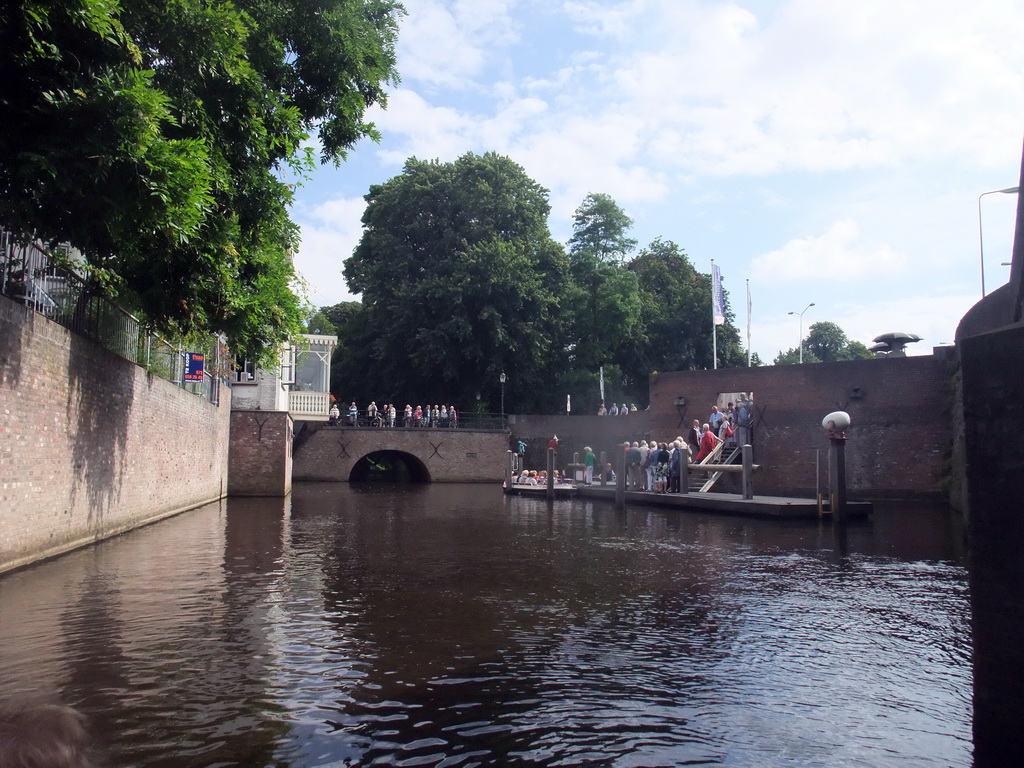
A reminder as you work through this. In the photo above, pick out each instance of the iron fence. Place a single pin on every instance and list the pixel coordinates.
(30, 275)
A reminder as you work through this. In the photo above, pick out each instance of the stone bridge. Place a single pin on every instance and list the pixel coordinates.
(341, 454)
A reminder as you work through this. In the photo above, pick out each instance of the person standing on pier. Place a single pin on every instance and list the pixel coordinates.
(588, 464)
(693, 438)
(715, 421)
(707, 444)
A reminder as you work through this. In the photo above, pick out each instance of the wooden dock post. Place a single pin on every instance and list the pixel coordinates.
(620, 482)
(837, 456)
(747, 452)
(509, 458)
(551, 475)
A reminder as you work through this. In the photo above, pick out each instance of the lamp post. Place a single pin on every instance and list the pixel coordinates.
(981, 237)
(802, 330)
(502, 379)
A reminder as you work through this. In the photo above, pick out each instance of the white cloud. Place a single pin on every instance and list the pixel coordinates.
(836, 258)
(933, 318)
(450, 44)
(330, 232)
(833, 139)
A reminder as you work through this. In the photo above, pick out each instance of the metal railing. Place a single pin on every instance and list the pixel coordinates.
(29, 274)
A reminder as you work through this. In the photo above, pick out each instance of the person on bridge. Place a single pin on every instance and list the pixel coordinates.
(353, 414)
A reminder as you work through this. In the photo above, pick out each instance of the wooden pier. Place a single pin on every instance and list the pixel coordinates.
(774, 507)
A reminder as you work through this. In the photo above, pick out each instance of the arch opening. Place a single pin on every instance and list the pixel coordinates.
(389, 467)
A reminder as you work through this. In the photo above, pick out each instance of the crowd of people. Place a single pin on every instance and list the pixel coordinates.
(533, 477)
(617, 410)
(439, 416)
(656, 466)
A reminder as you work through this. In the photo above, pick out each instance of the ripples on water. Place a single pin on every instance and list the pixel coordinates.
(450, 626)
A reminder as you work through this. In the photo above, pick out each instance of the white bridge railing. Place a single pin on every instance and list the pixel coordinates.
(309, 406)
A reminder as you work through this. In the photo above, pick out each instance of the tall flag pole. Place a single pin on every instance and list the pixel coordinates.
(749, 355)
(717, 309)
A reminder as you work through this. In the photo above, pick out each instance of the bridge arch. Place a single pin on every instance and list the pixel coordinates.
(389, 466)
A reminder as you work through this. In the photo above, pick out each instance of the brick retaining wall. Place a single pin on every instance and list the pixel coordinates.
(899, 443)
(261, 453)
(92, 445)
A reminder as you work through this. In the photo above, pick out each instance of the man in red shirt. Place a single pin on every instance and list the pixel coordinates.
(707, 444)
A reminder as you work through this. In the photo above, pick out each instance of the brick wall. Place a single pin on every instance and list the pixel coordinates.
(993, 405)
(261, 453)
(900, 437)
(92, 445)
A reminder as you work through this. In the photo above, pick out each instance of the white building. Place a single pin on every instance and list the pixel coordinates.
(300, 385)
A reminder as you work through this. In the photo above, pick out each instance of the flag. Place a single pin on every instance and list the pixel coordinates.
(718, 304)
(749, 353)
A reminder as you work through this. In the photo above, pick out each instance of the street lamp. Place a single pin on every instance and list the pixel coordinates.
(502, 379)
(802, 330)
(981, 238)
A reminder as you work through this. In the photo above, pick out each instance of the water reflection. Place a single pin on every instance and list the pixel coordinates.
(449, 625)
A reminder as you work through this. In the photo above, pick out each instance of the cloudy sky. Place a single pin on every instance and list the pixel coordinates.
(826, 151)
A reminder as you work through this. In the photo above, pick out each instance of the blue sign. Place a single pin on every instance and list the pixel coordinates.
(194, 366)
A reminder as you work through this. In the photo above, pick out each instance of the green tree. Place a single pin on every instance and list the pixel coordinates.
(826, 342)
(460, 280)
(675, 325)
(855, 350)
(339, 315)
(603, 302)
(792, 357)
(163, 140)
(321, 325)
(600, 230)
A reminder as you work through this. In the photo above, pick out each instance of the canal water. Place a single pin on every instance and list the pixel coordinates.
(448, 625)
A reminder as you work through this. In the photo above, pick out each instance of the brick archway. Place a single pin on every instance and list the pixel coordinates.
(389, 466)
(333, 454)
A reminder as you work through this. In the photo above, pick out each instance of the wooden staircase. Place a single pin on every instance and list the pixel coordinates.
(701, 482)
